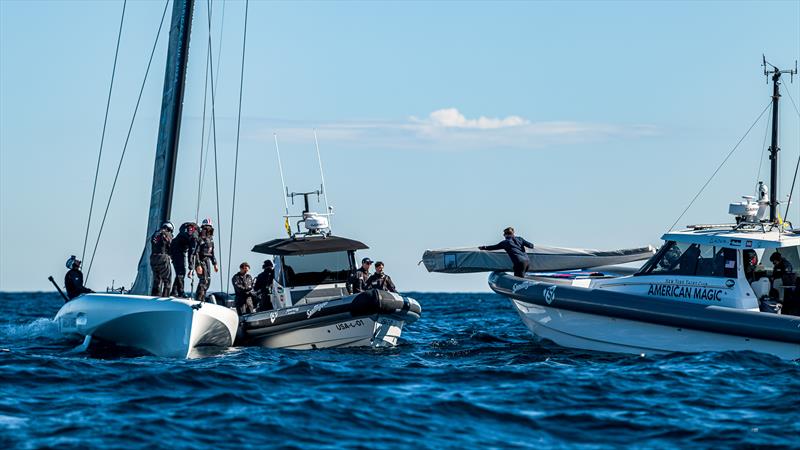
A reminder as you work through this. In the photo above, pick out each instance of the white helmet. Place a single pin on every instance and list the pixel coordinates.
(72, 261)
(207, 223)
(168, 225)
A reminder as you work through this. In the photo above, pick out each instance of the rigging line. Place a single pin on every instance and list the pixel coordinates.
(789, 92)
(103, 134)
(238, 130)
(216, 162)
(216, 85)
(202, 134)
(322, 178)
(791, 191)
(127, 138)
(720, 166)
(763, 149)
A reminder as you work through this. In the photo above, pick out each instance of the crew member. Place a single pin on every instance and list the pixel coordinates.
(359, 279)
(160, 261)
(205, 259)
(515, 247)
(243, 287)
(750, 259)
(73, 280)
(781, 266)
(380, 280)
(183, 247)
(263, 286)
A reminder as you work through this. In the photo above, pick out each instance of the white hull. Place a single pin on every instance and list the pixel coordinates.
(364, 332)
(167, 327)
(609, 334)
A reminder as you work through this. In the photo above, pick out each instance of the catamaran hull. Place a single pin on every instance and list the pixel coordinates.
(370, 319)
(166, 327)
(592, 319)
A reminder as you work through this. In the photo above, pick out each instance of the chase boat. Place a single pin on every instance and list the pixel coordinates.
(704, 290)
(310, 294)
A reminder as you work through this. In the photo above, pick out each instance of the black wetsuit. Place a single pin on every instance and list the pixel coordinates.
(263, 286)
(380, 281)
(358, 281)
(206, 259)
(515, 247)
(782, 270)
(160, 262)
(243, 287)
(183, 247)
(73, 281)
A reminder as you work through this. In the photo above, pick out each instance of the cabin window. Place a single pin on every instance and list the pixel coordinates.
(319, 268)
(679, 258)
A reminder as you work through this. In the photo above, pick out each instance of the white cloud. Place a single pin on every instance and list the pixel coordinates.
(452, 118)
(448, 129)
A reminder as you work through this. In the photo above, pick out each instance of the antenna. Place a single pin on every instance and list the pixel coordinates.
(322, 177)
(280, 167)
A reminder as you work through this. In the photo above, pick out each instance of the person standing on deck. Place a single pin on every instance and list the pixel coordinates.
(358, 280)
(263, 286)
(160, 260)
(205, 259)
(73, 280)
(515, 247)
(380, 280)
(183, 247)
(243, 287)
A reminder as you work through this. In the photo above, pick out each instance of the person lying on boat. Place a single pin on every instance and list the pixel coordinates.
(358, 280)
(73, 280)
(183, 247)
(243, 288)
(263, 286)
(515, 247)
(160, 262)
(205, 259)
(380, 280)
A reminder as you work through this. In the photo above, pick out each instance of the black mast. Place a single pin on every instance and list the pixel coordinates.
(168, 134)
(773, 148)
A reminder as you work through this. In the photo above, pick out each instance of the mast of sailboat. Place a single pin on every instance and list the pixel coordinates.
(168, 134)
(776, 73)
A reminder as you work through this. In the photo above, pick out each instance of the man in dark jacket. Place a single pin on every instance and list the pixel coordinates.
(243, 287)
(358, 280)
(73, 280)
(183, 247)
(380, 280)
(160, 260)
(205, 259)
(263, 286)
(515, 247)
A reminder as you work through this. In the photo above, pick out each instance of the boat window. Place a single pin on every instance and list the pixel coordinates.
(319, 268)
(678, 258)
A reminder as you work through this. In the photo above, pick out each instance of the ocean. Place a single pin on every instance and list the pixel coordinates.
(468, 374)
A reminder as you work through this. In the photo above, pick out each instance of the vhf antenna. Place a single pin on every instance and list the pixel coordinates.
(774, 70)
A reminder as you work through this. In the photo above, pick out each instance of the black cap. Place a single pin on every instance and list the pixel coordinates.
(267, 263)
(366, 261)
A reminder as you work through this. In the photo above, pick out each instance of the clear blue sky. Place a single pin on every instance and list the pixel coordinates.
(600, 121)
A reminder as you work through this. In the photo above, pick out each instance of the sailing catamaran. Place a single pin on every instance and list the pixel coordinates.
(703, 291)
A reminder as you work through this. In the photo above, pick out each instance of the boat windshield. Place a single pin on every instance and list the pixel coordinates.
(318, 268)
(679, 258)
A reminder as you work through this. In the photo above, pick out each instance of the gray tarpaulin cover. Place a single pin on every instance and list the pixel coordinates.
(543, 259)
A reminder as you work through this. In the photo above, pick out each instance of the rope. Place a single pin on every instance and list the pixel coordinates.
(763, 150)
(214, 133)
(103, 134)
(203, 138)
(238, 130)
(794, 179)
(127, 139)
(720, 166)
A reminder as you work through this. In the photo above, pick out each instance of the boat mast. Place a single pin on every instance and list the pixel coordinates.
(168, 134)
(773, 148)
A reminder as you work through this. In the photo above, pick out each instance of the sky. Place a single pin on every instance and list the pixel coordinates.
(581, 124)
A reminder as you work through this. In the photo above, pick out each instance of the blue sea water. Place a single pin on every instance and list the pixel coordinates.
(467, 375)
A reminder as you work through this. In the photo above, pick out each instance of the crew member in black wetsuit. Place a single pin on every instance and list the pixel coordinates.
(263, 286)
(160, 260)
(73, 280)
(183, 247)
(781, 267)
(205, 259)
(380, 280)
(358, 280)
(515, 247)
(243, 287)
